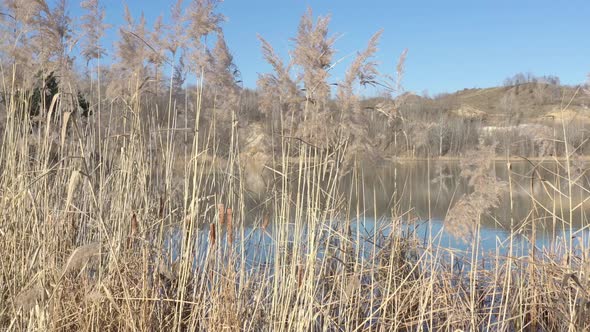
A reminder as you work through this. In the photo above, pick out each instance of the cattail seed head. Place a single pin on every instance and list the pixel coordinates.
(221, 209)
(212, 235)
(161, 210)
(134, 225)
(230, 233)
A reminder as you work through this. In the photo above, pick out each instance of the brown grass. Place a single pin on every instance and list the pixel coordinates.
(167, 155)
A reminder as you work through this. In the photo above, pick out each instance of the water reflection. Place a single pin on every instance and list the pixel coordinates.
(537, 194)
(539, 207)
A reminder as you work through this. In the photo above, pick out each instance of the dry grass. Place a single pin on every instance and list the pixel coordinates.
(109, 231)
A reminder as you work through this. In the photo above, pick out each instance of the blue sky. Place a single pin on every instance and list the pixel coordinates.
(451, 44)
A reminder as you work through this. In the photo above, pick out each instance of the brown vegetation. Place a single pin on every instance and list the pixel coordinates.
(136, 216)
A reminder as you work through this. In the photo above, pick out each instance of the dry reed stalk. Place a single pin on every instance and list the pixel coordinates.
(72, 185)
(230, 231)
(221, 209)
(80, 257)
(64, 127)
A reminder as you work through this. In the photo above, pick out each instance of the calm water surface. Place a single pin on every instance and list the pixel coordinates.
(539, 201)
(540, 208)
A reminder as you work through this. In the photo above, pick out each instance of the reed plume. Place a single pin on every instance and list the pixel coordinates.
(362, 70)
(278, 91)
(94, 28)
(202, 21)
(313, 52)
(130, 71)
(80, 257)
(72, 186)
(477, 169)
(28, 298)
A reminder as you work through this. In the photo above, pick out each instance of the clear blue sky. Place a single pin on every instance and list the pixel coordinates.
(452, 44)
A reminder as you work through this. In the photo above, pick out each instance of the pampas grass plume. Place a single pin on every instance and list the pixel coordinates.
(80, 257)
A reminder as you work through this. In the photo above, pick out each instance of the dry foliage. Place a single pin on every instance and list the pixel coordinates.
(237, 225)
(476, 167)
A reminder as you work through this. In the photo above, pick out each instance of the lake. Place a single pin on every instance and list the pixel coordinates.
(537, 196)
(534, 207)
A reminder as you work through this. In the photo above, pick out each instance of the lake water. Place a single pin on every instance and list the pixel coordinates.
(424, 191)
(541, 208)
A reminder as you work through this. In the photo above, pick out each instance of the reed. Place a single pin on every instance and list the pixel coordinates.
(72, 258)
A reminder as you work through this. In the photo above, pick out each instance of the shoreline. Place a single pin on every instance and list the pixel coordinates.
(496, 158)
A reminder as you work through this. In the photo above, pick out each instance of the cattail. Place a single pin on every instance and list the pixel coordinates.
(133, 232)
(134, 225)
(299, 270)
(221, 210)
(212, 236)
(161, 210)
(230, 232)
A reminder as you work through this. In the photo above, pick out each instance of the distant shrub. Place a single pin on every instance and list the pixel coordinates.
(43, 93)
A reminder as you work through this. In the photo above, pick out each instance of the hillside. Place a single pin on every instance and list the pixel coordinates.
(510, 105)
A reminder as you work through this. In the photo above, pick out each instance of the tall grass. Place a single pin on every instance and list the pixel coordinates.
(138, 219)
